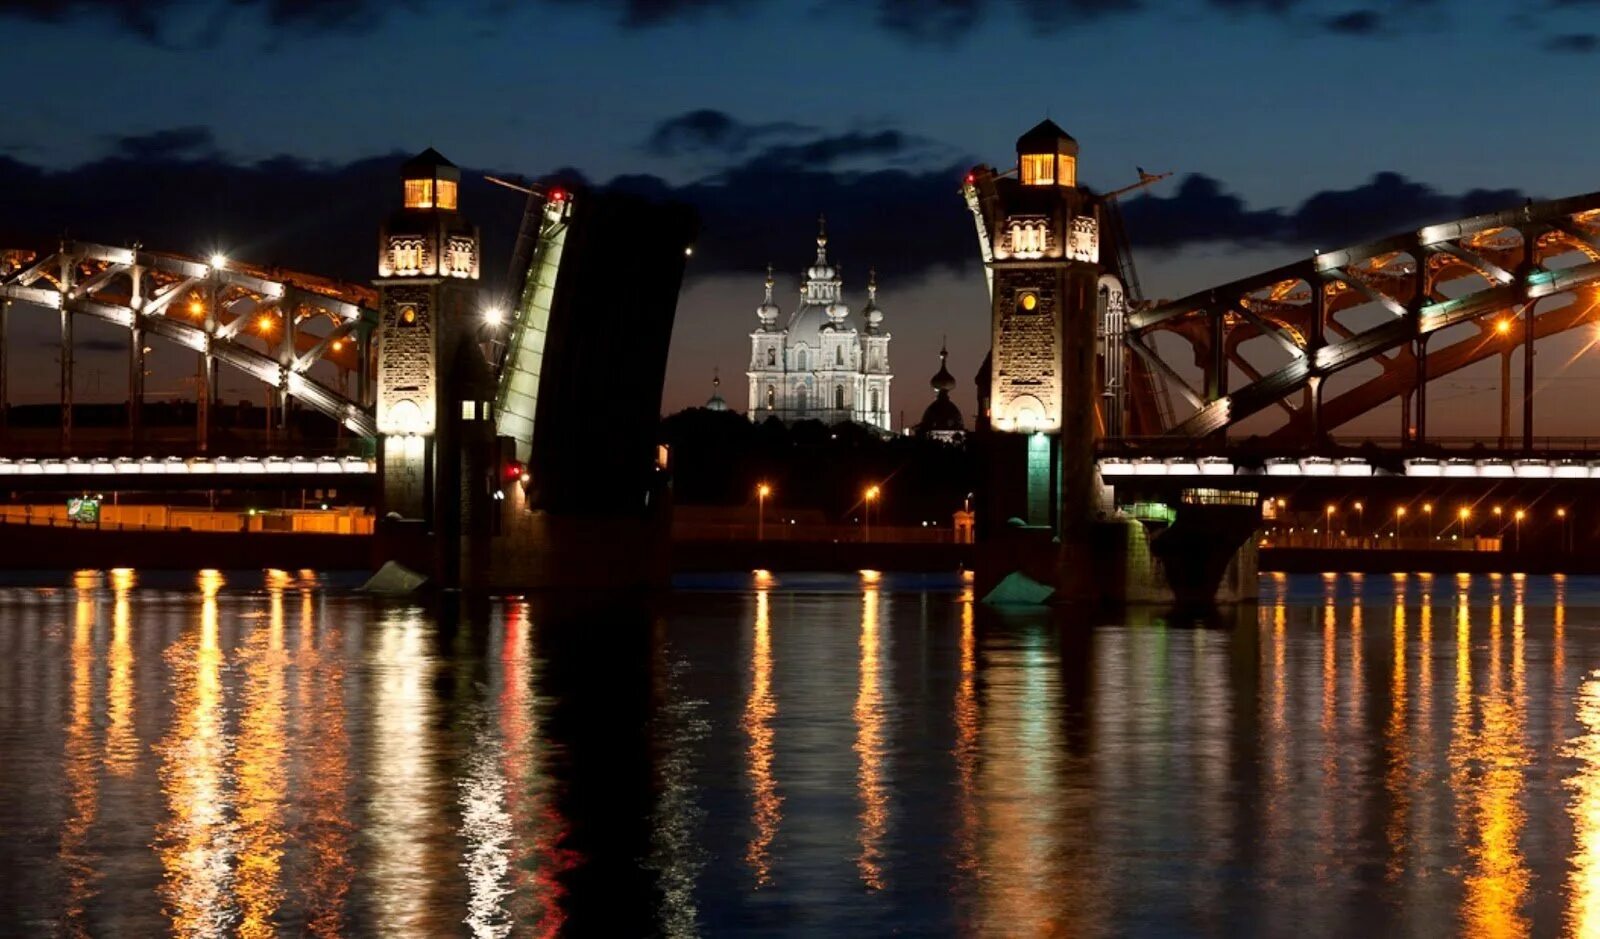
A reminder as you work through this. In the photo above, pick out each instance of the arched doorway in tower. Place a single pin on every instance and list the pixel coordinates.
(838, 397)
(801, 399)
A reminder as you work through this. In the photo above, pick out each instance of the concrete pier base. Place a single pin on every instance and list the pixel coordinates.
(1207, 557)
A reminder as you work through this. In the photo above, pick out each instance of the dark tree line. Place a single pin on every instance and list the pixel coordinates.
(719, 458)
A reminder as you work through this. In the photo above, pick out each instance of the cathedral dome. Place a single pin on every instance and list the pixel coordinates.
(768, 311)
(716, 403)
(942, 419)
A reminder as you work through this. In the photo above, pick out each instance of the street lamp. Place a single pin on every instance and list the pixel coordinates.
(1399, 519)
(1427, 509)
(866, 514)
(1361, 520)
(1566, 540)
(762, 491)
(1328, 524)
(1464, 514)
(1518, 516)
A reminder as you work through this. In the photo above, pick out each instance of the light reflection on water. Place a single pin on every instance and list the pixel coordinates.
(261, 755)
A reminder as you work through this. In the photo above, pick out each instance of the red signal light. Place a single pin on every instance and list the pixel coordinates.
(558, 194)
(513, 470)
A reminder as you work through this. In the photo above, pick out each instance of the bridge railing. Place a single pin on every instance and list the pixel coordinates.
(1434, 446)
(1327, 541)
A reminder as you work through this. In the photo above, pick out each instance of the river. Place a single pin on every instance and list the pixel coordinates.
(275, 754)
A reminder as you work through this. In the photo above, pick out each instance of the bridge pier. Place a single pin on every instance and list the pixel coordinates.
(1041, 235)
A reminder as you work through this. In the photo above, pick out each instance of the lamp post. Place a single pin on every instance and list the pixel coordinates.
(1561, 513)
(1399, 519)
(866, 512)
(1517, 518)
(762, 491)
(1502, 327)
(1427, 509)
(1465, 515)
(1361, 521)
(1328, 524)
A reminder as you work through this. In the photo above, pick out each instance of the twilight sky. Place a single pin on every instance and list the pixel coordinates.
(268, 128)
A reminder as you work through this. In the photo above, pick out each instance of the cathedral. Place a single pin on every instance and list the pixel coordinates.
(819, 365)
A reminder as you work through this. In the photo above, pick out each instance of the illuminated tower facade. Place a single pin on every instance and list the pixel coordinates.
(1039, 233)
(428, 265)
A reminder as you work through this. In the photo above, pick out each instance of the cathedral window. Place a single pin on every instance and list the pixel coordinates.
(800, 359)
(838, 397)
(838, 356)
(874, 400)
(772, 397)
(772, 361)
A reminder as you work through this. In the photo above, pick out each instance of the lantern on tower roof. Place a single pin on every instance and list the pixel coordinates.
(1047, 156)
(431, 181)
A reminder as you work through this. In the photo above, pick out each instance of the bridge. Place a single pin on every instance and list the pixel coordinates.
(507, 444)
(1094, 398)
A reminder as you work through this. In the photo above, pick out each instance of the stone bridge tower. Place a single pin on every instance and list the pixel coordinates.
(429, 369)
(1039, 232)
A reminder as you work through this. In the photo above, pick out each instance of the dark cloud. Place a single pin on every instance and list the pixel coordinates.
(171, 142)
(1355, 23)
(928, 20)
(175, 193)
(1201, 211)
(1581, 43)
(717, 132)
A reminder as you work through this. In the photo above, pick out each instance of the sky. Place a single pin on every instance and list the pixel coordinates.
(271, 129)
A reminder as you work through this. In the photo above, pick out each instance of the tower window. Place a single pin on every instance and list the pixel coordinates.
(772, 398)
(1038, 169)
(772, 360)
(838, 355)
(419, 194)
(800, 359)
(447, 195)
(838, 397)
(874, 400)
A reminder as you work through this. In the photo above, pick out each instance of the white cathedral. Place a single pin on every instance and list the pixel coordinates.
(819, 366)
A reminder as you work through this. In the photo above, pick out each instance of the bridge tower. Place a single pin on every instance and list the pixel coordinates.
(1039, 232)
(430, 372)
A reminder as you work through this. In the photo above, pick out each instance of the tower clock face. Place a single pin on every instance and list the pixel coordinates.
(408, 315)
(1028, 301)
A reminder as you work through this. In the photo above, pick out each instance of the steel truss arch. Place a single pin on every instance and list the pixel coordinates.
(1295, 306)
(138, 290)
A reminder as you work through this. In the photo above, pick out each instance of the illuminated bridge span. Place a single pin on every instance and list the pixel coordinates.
(1516, 276)
(271, 325)
(122, 467)
(1218, 468)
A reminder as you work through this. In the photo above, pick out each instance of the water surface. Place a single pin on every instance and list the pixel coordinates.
(260, 755)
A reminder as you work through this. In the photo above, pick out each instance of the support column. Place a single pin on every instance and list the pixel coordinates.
(5, 371)
(66, 378)
(135, 383)
(1422, 390)
(136, 357)
(1405, 419)
(1527, 375)
(1505, 397)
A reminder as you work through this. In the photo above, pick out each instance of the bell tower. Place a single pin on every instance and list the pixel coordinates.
(1039, 233)
(428, 263)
